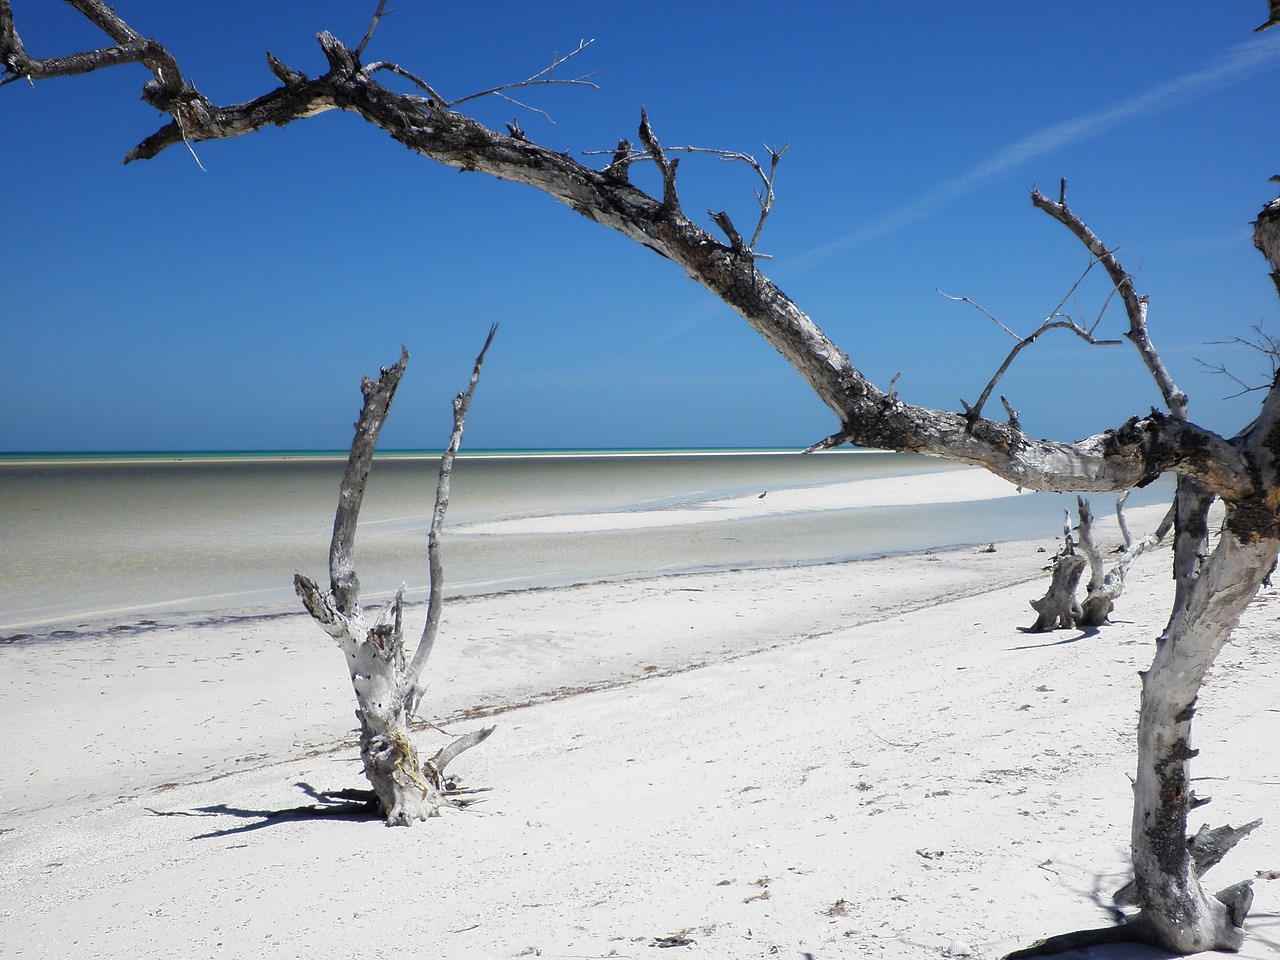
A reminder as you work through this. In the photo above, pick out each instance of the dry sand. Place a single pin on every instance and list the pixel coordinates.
(854, 760)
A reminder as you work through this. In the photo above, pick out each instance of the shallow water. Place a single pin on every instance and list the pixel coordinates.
(89, 544)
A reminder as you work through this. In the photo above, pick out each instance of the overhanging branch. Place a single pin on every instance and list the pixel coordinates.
(1135, 306)
(1131, 455)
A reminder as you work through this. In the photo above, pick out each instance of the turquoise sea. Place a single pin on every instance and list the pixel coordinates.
(93, 543)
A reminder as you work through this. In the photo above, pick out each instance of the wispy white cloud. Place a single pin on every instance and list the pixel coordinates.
(1233, 66)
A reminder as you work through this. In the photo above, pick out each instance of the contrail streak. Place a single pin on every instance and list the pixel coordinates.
(1236, 64)
(1233, 66)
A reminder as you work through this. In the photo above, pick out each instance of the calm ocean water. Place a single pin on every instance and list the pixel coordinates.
(95, 543)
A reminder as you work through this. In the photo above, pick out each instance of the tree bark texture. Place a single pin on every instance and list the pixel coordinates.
(1058, 609)
(1240, 470)
(1188, 920)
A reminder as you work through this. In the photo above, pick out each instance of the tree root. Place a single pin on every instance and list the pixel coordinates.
(1237, 898)
(1207, 848)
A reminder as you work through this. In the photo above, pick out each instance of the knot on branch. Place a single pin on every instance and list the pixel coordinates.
(341, 60)
(619, 168)
(171, 98)
(292, 79)
(1141, 433)
(670, 199)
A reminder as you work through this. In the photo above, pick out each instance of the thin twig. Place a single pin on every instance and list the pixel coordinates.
(1266, 344)
(541, 78)
(377, 16)
(1055, 321)
(400, 71)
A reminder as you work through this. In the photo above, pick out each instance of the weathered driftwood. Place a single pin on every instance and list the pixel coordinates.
(388, 685)
(1105, 586)
(1058, 608)
(1241, 470)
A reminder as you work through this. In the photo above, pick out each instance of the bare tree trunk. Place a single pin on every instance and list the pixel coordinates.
(387, 685)
(1191, 504)
(1180, 915)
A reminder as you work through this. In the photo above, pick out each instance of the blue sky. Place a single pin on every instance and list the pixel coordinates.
(162, 306)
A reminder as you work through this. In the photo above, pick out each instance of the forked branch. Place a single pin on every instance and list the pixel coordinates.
(1057, 320)
(1135, 306)
(543, 78)
(386, 684)
(623, 156)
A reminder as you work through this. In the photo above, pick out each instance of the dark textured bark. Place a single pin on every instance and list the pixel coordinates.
(1207, 848)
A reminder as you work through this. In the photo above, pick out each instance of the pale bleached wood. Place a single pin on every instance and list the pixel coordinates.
(386, 683)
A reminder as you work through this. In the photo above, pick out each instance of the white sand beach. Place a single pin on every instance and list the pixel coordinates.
(865, 759)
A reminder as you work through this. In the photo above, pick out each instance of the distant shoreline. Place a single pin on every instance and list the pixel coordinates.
(238, 456)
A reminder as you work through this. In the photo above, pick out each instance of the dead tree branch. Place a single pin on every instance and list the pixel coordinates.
(623, 156)
(1057, 320)
(1135, 306)
(435, 602)
(377, 18)
(1127, 456)
(1273, 16)
(1193, 497)
(1105, 586)
(543, 78)
(1265, 344)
